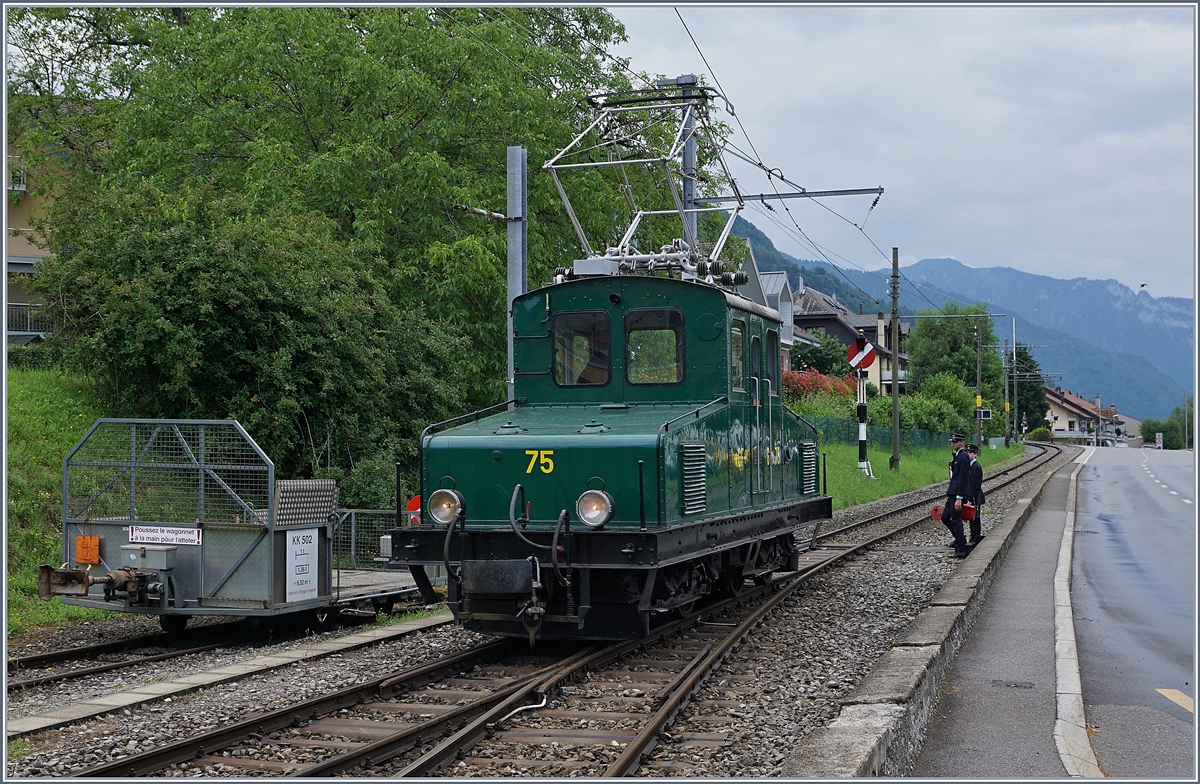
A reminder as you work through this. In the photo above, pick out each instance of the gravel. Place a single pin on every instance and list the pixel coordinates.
(845, 620)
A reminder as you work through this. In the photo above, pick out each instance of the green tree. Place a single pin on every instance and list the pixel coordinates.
(255, 210)
(380, 119)
(1184, 418)
(949, 345)
(1030, 400)
(1172, 430)
(193, 304)
(829, 357)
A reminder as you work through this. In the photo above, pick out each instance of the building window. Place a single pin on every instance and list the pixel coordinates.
(1070, 424)
(16, 174)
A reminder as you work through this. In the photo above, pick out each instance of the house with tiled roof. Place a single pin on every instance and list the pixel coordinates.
(813, 310)
(1075, 420)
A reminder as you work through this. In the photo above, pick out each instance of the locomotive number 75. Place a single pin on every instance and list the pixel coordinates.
(542, 457)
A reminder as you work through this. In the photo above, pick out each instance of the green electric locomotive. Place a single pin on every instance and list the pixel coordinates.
(646, 462)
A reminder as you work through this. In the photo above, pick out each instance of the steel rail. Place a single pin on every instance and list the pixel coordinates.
(38, 661)
(298, 714)
(1025, 466)
(23, 683)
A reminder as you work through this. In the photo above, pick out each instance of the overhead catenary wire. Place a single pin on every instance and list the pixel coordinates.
(772, 174)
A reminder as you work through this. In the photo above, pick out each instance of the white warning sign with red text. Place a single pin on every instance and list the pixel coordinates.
(163, 534)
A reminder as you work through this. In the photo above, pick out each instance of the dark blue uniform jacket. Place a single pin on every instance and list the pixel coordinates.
(960, 475)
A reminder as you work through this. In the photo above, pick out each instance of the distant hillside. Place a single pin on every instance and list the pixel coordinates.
(1125, 380)
(1132, 349)
(1102, 313)
(1121, 378)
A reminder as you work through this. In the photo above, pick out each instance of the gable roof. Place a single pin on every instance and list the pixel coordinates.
(1075, 404)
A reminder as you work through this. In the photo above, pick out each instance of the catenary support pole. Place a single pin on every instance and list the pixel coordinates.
(688, 83)
(1007, 370)
(518, 257)
(978, 385)
(894, 463)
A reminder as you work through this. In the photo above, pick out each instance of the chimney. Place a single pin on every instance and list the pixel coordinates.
(881, 335)
(860, 307)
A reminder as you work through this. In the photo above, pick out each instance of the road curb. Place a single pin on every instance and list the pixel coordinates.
(883, 722)
(1070, 729)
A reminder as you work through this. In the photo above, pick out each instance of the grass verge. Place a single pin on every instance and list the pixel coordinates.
(48, 412)
(918, 468)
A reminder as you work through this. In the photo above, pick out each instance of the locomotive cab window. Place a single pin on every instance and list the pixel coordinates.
(654, 346)
(737, 355)
(582, 348)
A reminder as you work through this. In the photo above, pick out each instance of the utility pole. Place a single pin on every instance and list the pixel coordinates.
(894, 463)
(518, 239)
(978, 386)
(1006, 372)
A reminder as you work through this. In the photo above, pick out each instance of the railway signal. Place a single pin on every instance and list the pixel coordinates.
(860, 355)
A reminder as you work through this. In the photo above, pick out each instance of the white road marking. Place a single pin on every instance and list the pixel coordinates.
(1174, 493)
(1179, 698)
(1186, 501)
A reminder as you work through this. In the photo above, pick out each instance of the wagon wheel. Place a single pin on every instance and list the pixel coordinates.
(173, 624)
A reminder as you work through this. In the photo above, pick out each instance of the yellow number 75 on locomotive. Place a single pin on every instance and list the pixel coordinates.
(541, 456)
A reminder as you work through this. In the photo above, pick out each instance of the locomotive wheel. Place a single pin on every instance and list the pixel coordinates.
(173, 624)
(733, 581)
(763, 579)
(686, 610)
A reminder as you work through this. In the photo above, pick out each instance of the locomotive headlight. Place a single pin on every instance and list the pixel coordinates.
(594, 507)
(444, 504)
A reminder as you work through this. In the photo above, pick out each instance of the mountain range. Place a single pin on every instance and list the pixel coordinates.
(1090, 336)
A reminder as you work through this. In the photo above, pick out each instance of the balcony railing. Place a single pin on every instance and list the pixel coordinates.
(28, 320)
(16, 174)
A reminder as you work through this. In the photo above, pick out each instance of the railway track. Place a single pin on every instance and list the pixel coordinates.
(487, 709)
(41, 668)
(500, 709)
(992, 482)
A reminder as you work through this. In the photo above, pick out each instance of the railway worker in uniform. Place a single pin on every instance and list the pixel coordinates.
(960, 488)
(976, 494)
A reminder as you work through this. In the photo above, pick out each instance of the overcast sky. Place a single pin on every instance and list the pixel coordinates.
(1058, 141)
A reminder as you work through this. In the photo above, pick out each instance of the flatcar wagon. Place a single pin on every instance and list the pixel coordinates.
(645, 462)
(182, 517)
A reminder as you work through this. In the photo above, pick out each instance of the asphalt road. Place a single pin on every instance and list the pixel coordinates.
(1133, 586)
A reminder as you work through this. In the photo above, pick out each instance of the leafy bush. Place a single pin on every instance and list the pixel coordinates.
(1039, 434)
(829, 357)
(825, 405)
(917, 412)
(798, 384)
(34, 356)
(947, 387)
